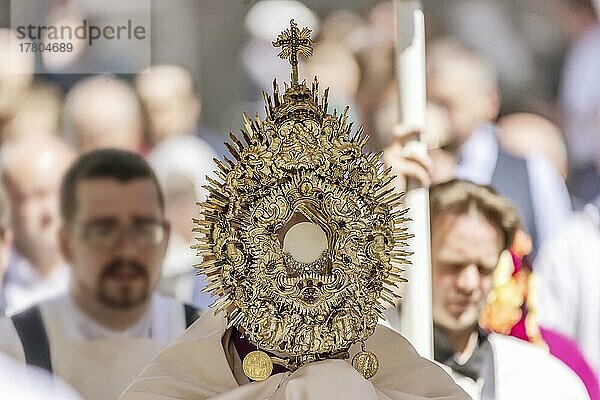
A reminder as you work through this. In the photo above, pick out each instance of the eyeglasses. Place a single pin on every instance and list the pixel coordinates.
(108, 235)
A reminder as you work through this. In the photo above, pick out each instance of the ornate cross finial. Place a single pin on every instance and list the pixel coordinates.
(293, 41)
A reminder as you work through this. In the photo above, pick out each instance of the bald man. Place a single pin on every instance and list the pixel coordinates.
(103, 112)
(181, 161)
(31, 172)
(167, 94)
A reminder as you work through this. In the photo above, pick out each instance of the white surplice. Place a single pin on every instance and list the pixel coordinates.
(196, 367)
(21, 382)
(568, 267)
(524, 371)
(97, 362)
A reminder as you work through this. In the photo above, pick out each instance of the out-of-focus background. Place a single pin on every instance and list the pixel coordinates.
(219, 43)
(535, 47)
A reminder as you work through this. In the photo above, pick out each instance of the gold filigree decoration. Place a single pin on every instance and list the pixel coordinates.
(301, 161)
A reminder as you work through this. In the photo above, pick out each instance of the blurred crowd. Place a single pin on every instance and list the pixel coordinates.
(491, 120)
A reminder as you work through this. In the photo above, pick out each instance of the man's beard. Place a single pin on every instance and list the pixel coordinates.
(123, 294)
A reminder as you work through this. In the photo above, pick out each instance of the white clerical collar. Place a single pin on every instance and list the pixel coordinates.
(80, 327)
(478, 156)
(462, 358)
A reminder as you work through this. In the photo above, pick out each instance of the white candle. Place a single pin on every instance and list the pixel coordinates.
(416, 319)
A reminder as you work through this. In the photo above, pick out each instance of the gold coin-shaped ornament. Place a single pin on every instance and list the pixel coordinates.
(366, 363)
(257, 365)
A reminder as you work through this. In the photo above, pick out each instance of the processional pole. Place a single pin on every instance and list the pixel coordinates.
(416, 317)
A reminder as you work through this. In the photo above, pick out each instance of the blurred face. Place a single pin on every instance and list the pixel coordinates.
(165, 116)
(117, 241)
(467, 102)
(465, 250)
(33, 190)
(99, 130)
(170, 113)
(105, 113)
(171, 106)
